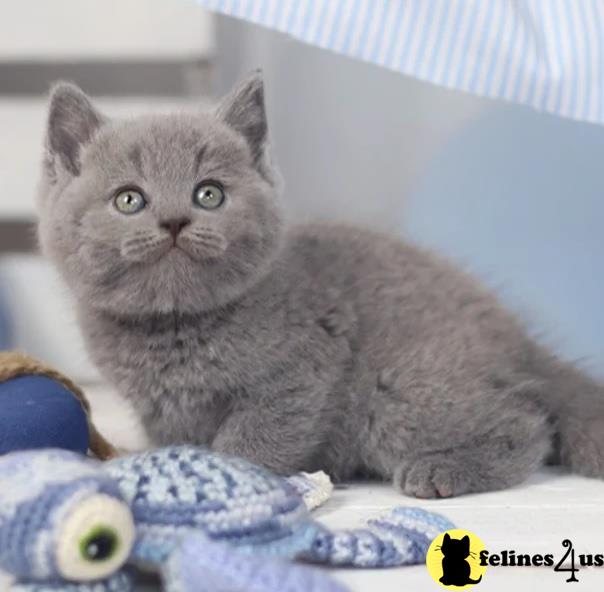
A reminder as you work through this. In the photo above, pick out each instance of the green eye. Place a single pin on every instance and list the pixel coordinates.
(100, 544)
(209, 195)
(129, 201)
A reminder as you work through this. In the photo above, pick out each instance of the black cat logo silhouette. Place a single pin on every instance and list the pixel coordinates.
(456, 569)
(453, 560)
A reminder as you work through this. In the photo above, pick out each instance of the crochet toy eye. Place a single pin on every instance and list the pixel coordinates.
(129, 201)
(209, 195)
(100, 544)
(95, 539)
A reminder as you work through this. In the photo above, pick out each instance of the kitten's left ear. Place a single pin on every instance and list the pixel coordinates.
(72, 122)
(244, 111)
(466, 540)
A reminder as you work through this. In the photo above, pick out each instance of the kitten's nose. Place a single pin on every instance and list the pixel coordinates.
(175, 225)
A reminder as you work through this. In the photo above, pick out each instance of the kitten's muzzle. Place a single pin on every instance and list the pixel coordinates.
(175, 226)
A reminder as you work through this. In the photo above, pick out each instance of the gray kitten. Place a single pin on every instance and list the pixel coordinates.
(319, 347)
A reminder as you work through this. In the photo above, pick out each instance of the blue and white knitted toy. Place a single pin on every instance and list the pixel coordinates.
(205, 521)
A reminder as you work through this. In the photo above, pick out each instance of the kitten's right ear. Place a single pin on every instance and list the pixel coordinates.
(72, 122)
(447, 538)
(243, 110)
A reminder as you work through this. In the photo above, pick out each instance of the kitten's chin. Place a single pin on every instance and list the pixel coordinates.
(176, 254)
(194, 255)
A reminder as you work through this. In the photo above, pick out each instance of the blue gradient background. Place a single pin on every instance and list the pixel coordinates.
(518, 198)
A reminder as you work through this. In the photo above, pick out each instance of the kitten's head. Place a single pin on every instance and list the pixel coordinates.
(458, 548)
(160, 213)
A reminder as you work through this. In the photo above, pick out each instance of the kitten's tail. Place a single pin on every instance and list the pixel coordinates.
(471, 581)
(576, 404)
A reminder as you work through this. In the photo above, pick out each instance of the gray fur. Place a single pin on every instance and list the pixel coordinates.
(317, 347)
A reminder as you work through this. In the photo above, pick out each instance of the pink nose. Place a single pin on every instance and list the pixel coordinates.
(175, 225)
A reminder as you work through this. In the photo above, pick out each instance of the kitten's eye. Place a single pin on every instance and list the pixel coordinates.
(209, 195)
(95, 540)
(129, 201)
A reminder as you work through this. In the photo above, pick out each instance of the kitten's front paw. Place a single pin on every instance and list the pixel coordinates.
(433, 476)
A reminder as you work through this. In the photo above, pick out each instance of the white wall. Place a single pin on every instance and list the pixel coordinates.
(352, 139)
(100, 29)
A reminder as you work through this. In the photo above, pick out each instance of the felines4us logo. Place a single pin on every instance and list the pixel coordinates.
(458, 560)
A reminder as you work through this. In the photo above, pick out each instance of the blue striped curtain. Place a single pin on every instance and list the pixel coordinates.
(548, 54)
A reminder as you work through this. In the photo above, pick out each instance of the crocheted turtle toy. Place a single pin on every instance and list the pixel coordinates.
(204, 521)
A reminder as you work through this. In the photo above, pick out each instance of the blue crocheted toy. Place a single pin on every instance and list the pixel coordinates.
(205, 521)
(38, 412)
(41, 408)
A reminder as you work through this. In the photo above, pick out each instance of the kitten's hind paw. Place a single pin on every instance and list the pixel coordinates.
(433, 476)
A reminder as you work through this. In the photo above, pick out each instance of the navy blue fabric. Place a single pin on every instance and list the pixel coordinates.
(38, 412)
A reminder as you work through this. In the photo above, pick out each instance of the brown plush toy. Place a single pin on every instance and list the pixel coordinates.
(41, 408)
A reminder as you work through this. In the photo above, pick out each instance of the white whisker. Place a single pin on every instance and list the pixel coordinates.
(144, 246)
